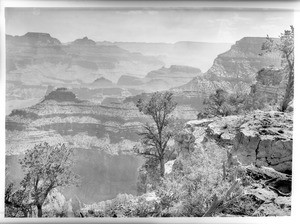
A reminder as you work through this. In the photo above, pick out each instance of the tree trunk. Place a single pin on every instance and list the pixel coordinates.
(40, 212)
(25, 212)
(162, 167)
(288, 92)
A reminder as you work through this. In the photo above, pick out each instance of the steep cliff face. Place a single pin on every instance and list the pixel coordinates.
(242, 61)
(236, 69)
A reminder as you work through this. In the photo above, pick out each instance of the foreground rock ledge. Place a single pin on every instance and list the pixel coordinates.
(260, 138)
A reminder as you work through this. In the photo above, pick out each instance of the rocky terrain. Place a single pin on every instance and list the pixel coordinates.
(261, 145)
(252, 151)
(259, 138)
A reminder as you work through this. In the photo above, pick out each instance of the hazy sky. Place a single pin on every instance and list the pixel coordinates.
(148, 25)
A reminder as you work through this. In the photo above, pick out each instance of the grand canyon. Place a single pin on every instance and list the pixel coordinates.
(84, 93)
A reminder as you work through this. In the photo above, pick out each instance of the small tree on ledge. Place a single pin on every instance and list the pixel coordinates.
(285, 46)
(156, 137)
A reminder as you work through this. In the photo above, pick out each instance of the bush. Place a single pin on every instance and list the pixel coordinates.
(196, 183)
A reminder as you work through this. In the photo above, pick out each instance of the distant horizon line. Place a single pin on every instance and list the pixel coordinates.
(110, 41)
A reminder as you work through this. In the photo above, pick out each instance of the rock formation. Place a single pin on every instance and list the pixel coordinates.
(102, 83)
(259, 138)
(236, 69)
(84, 41)
(62, 95)
(34, 39)
(127, 80)
(174, 75)
(259, 147)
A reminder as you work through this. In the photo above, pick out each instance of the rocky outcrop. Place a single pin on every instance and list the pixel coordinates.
(62, 95)
(236, 69)
(34, 39)
(84, 42)
(266, 140)
(259, 150)
(173, 76)
(260, 138)
(175, 71)
(242, 61)
(161, 79)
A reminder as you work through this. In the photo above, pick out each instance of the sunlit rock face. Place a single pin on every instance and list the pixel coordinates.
(236, 69)
(242, 61)
(259, 138)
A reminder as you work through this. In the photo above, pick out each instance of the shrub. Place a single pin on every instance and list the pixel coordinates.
(196, 184)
